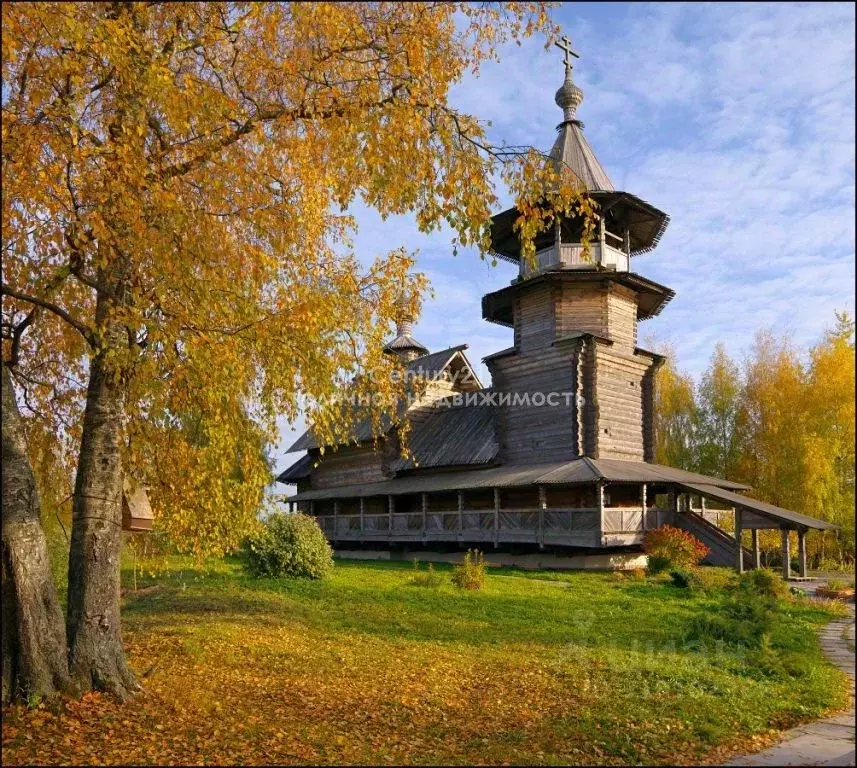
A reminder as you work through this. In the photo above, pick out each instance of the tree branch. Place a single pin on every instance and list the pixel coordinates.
(82, 329)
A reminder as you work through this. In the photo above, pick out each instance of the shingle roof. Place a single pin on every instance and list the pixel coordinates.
(426, 366)
(571, 150)
(620, 470)
(300, 470)
(583, 470)
(761, 507)
(403, 342)
(452, 436)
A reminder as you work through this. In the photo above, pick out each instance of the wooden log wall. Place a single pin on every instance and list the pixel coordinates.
(531, 433)
(622, 317)
(350, 465)
(582, 308)
(619, 392)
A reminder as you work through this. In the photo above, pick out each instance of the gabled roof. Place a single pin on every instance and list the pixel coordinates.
(452, 436)
(300, 470)
(427, 366)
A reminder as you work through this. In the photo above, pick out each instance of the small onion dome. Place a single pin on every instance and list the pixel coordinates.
(568, 97)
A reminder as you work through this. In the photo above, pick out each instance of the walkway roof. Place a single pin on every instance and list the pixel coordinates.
(786, 517)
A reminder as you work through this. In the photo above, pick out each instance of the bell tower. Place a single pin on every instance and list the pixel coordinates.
(583, 385)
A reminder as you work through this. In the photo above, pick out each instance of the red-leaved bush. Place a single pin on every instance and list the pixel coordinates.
(669, 547)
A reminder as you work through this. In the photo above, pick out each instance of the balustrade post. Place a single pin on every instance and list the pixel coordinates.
(643, 502)
(391, 505)
(496, 517)
(543, 503)
(424, 499)
(460, 513)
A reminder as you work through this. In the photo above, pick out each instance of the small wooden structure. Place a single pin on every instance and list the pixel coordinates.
(137, 514)
(559, 451)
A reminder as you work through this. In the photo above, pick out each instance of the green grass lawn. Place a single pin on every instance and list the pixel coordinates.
(366, 667)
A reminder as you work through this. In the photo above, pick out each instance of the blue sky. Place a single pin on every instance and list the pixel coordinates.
(736, 119)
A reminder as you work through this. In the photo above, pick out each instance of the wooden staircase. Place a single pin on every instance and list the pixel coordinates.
(721, 545)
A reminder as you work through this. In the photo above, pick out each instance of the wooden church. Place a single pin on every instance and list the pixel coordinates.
(557, 454)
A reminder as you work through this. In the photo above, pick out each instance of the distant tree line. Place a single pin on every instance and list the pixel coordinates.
(782, 421)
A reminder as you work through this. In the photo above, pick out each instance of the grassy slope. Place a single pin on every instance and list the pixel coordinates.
(365, 667)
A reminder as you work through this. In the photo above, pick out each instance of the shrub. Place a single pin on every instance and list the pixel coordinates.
(673, 546)
(471, 573)
(289, 545)
(637, 574)
(658, 564)
(427, 578)
(745, 619)
(684, 578)
(764, 583)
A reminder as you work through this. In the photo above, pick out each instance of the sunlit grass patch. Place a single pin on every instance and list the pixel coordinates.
(363, 667)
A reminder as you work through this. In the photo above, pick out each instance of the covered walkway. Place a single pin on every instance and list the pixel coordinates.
(755, 515)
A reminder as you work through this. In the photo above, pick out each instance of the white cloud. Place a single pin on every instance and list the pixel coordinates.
(736, 119)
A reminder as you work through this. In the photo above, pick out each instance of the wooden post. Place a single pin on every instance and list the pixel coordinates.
(739, 557)
(460, 512)
(801, 548)
(312, 508)
(672, 506)
(702, 507)
(361, 514)
(391, 505)
(424, 500)
(757, 554)
(643, 502)
(787, 554)
(627, 239)
(496, 517)
(602, 237)
(335, 519)
(543, 503)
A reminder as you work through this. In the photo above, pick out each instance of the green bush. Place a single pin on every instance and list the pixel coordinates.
(685, 578)
(744, 620)
(764, 583)
(471, 573)
(290, 545)
(427, 578)
(658, 564)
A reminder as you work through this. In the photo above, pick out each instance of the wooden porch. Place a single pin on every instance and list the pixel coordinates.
(577, 516)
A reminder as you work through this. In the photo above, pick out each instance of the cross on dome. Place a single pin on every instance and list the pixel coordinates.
(569, 96)
(564, 44)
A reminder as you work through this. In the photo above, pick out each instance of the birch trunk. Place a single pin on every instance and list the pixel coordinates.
(35, 655)
(96, 656)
